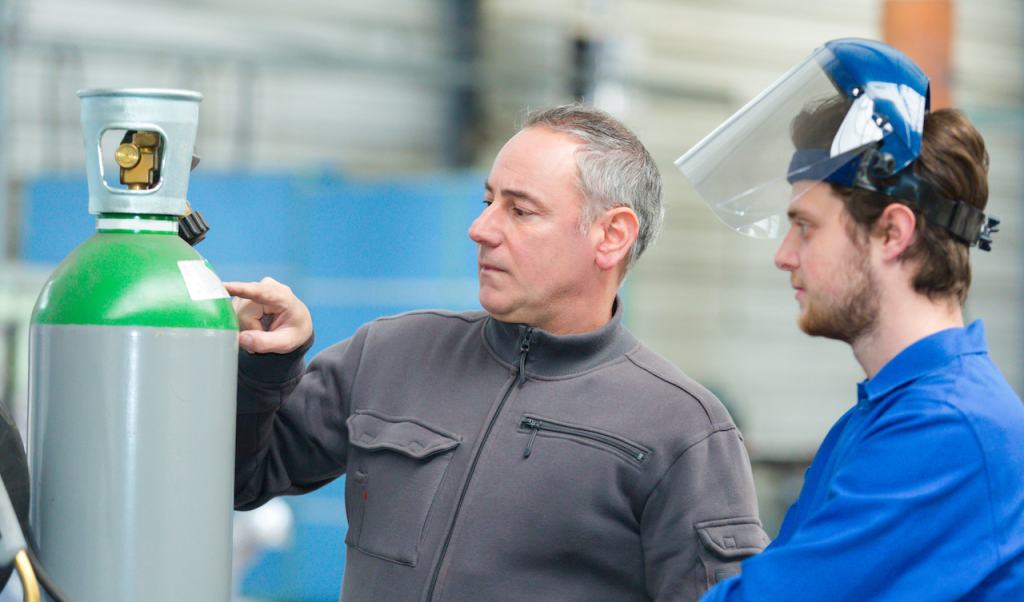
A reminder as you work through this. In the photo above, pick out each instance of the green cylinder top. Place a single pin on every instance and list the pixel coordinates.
(135, 271)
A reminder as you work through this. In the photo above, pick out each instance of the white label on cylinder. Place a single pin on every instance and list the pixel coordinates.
(200, 280)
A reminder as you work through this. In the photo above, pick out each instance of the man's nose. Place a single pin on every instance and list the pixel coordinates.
(485, 230)
(786, 257)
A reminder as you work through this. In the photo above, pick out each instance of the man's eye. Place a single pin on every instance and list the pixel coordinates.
(520, 212)
(487, 202)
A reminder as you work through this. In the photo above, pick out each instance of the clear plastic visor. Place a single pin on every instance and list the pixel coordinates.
(801, 128)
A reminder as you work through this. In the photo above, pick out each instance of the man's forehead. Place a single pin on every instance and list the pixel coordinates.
(800, 207)
(812, 198)
(538, 150)
(512, 191)
(537, 164)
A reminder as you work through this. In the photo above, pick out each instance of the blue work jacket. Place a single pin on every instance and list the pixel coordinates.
(917, 492)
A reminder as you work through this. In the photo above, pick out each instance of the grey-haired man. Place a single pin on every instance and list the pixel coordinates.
(532, 451)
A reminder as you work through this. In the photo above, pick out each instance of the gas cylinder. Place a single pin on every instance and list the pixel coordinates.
(132, 376)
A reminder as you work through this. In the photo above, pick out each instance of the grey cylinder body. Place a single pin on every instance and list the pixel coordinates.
(131, 449)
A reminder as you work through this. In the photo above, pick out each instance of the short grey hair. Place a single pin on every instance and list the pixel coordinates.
(614, 168)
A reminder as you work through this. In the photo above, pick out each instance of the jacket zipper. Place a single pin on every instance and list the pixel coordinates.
(524, 349)
(536, 425)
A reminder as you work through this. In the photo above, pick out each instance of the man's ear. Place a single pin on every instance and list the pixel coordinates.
(894, 229)
(617, 230)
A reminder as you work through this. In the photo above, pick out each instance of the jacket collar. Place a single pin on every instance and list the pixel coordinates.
(553, 356)
(924, 356)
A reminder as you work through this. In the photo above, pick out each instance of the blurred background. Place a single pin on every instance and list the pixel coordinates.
(344, 145)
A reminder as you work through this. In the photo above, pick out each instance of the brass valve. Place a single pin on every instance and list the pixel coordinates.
(139, 160)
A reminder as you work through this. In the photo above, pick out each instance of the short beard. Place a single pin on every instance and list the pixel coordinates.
(851, 316)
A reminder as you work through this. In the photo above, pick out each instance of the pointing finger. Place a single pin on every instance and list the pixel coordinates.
(260, 292)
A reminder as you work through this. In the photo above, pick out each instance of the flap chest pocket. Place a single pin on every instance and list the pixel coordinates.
(411, 438)
(395, 468)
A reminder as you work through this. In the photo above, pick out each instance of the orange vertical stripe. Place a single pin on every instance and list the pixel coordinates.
(923, 29)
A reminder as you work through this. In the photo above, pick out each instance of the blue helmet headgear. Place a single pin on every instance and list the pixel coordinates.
(883, 97)
(900, 86)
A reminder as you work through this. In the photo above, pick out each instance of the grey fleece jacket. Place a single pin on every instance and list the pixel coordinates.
(492, 461)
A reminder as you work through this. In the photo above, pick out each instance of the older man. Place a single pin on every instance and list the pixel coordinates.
(532, 451)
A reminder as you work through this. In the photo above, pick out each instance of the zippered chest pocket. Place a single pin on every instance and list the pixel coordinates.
(538, 426)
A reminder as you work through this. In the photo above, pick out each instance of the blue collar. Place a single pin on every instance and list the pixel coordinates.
(922, 357)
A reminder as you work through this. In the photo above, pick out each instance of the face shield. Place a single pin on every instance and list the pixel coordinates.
(812, 124)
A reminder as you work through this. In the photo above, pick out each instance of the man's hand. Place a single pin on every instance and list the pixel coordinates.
(271, 319)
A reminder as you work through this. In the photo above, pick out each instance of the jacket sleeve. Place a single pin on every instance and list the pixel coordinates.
(907, 516)
(701, 519)
(291, 435)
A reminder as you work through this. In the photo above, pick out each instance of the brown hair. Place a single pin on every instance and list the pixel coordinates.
(953, 159)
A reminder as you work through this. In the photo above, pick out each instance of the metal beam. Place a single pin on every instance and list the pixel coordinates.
(464, 111)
